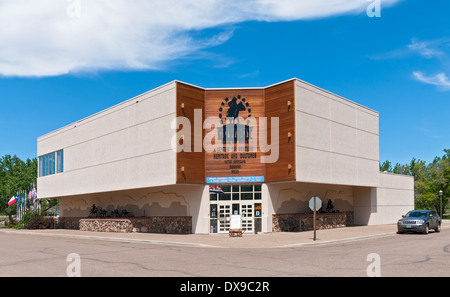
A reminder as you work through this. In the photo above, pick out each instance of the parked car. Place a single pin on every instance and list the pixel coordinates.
(419, 221)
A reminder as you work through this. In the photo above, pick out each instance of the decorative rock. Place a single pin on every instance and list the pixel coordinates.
(172, 225)
(323, 221)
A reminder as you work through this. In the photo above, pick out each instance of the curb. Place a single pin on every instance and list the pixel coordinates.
(342, 240)
(190, 244)
(112, 238)
(115, 239)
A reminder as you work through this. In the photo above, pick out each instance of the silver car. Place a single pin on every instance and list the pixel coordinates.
(419, 221)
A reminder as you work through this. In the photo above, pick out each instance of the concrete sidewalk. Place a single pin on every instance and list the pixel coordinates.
(264, 240)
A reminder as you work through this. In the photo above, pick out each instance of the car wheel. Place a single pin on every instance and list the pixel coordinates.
(438, 228)
(425, 231)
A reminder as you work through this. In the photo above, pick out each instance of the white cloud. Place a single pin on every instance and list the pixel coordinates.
(441, 80)
(428, 49)
(436, 49)
(42, 38)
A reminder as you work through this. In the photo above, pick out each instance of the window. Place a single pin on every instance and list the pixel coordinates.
(52, 163)
(60, 161)
(237, 192)
(47, 165)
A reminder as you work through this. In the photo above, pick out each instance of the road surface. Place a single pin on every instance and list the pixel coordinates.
(394, 255)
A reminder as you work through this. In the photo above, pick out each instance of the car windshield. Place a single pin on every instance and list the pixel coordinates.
(416, 214)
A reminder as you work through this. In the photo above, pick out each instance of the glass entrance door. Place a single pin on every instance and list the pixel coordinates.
(224, 217)
(244, 200)
(247, 216)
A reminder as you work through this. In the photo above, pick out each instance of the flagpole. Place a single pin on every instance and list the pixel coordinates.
(24, 206)
(20, 205)
(17, 208)
(19, 199)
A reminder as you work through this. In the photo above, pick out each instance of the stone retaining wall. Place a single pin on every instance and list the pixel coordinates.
(72, 223)
(291, 222)
(170, 225)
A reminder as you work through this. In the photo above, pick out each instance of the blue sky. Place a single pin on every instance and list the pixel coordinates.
(61, 63)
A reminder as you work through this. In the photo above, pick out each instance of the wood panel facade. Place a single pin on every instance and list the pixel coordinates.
(190, 165)
(276, 101)
(235, 163)
(280, 102)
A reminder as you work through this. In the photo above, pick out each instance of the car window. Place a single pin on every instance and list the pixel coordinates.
(417, 214)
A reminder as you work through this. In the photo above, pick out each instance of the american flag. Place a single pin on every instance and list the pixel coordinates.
(32, 194)
(215, 189)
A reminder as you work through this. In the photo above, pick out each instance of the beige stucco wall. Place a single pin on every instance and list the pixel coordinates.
(116, 149)
(384, 204)
(176, 200)
(336, 139)
(293, 197)
(387, 203)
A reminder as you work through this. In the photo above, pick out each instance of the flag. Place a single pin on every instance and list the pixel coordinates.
(30, 194)
(34, 193)
(12, 200)
(215, 189)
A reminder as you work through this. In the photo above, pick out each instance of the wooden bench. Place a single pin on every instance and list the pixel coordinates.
(235, 232)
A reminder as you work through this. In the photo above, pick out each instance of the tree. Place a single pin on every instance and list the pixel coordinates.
(47, 204)
(386, 166)
(429, 179)
(15, 175)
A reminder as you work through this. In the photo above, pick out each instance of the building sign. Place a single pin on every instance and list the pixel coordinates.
(235, 161)
(235, 115)
(234, 179)
(237, 155)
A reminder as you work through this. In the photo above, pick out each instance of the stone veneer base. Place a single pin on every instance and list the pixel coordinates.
(283, 222)
(170, 225)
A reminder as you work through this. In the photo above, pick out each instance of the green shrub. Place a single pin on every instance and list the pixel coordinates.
(40, 222)
(32, 219)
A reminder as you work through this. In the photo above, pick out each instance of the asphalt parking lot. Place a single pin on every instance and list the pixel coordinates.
(353, 251)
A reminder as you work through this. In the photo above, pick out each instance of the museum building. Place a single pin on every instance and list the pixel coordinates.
(146, 165)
